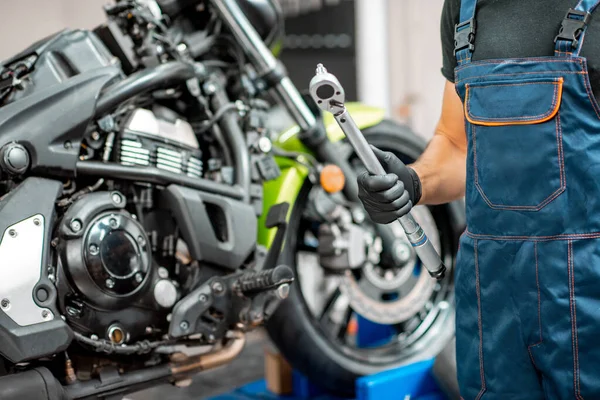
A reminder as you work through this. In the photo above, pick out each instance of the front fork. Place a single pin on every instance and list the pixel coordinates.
(326, 152)
(273, 74)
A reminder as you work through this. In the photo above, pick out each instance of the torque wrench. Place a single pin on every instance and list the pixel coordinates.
(329, 95)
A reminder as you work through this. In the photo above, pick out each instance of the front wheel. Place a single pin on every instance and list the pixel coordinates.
(325, 330)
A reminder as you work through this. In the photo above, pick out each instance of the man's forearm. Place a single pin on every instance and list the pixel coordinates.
(442, 171)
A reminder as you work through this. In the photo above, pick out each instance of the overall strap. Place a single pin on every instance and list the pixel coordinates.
(464, 32)
(570, 38)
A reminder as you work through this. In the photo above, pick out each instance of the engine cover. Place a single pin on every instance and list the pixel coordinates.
(217, 229)
(27, 284)
(168, 145)
(115, 253)
(105, 251)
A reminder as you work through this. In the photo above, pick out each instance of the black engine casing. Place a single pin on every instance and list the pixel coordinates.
(57, 100)
(101, 242)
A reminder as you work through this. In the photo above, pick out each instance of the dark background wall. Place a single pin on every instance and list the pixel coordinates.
(320, 32)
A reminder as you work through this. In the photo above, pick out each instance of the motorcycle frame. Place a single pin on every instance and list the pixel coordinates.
(308, 136)
(286, 187)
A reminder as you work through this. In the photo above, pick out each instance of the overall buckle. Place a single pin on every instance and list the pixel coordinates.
(572, 26)
(464, 36)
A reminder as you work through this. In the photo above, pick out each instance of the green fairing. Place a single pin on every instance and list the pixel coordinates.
(288, 185)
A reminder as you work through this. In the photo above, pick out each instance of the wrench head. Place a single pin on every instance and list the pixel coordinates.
(327, 91)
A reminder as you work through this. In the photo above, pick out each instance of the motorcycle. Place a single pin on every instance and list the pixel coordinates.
(154, 197)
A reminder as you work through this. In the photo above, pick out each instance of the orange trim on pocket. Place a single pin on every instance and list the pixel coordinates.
(557, 100)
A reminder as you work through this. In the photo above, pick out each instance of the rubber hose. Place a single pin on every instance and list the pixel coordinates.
(234, 136)
(143, 81)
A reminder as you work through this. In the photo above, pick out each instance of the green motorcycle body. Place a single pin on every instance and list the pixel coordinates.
(287, 186)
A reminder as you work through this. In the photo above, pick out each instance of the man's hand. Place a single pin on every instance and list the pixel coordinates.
(388, 197)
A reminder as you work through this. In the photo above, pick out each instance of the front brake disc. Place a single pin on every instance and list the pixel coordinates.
(405, 305)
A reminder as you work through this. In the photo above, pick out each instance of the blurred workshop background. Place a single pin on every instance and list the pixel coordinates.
(387, 53)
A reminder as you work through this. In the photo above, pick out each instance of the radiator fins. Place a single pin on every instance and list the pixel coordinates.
(133, 153)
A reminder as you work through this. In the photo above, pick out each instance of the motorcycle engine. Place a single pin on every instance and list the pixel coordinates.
(117, 250)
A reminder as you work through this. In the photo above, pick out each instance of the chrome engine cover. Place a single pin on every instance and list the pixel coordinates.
(21, 266)
(152, 142)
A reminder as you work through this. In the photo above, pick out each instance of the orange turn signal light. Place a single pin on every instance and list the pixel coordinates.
(332, 179)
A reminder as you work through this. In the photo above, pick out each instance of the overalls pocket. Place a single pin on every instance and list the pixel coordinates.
(517, 142)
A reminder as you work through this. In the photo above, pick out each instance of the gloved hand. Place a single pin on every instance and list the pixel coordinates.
(388, 197)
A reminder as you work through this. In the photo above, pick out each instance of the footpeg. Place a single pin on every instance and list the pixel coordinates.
(255, 282)
(266, 290)
(246, 297)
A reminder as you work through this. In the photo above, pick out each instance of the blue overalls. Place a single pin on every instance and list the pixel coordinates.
(528, 268)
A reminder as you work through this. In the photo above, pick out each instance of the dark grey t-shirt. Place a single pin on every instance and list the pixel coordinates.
(519, 28)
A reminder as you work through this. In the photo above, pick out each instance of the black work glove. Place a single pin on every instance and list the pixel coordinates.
(388, 197)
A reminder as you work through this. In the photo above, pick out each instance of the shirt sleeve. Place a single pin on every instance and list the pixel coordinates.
(450, 16)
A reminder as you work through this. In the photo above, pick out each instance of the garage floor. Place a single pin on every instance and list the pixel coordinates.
(248, 367)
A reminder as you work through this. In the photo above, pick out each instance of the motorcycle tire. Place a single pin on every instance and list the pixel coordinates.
(295, 331)
(444, 371)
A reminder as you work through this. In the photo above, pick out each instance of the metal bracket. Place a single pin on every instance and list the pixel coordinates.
(20, 270)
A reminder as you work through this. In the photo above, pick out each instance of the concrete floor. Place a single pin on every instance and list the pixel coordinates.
(248, 367)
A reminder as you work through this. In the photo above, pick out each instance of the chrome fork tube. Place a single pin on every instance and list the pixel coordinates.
(266, 64)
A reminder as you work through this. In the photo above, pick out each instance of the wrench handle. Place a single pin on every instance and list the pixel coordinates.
(360, 144)
(417, 237)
